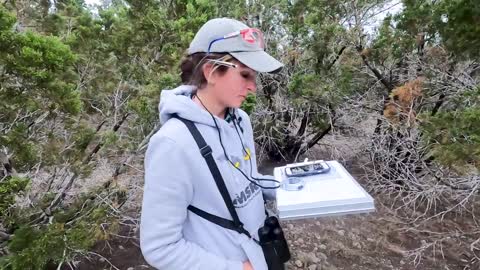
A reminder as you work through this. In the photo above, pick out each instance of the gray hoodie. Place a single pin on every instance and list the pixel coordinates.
(176, 175)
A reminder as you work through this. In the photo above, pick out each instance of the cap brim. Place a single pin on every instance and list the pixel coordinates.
(259, 61)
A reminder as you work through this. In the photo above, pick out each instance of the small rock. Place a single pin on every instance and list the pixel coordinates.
(121, 247)
(322, 246)
(311, 258)
(353, 236)
(101, 260)
(300, 241)
(331, 267)
(130, 268)
(370, 240)
(402, 262)
(357, 245)
(298, 263)
(290, 226)
(341, 232)
(312, 267)
(322, 256)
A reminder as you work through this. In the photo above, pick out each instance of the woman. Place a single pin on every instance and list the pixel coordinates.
(218, 73)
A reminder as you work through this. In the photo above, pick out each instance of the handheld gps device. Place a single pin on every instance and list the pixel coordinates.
(306, 168)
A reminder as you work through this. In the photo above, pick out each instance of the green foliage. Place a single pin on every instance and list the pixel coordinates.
(458, 26)
(9, 188)
(249, 104)
(110, 138)
(44, 64)
(455, 134)
(26, 152)
(37, 81)
(312, 87)
(34, 248)
(454, 24)
(40, 98)
(436, 31)
(82, 135)
(7, 20)
(390, 43)
(72, 229)
(145, 110)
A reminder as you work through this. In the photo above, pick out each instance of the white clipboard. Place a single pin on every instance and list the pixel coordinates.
(333, 193)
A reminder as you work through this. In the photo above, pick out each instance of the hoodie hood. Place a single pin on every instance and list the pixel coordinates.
(179, 101)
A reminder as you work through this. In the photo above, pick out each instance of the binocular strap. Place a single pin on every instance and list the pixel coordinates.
(206, 152)
(225, 223)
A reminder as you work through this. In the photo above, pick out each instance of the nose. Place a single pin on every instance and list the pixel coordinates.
(252, 86)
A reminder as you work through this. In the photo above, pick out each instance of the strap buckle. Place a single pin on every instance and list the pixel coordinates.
(240, 227)
(206, 150)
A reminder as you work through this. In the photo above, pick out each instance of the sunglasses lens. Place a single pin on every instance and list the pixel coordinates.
(253, 36)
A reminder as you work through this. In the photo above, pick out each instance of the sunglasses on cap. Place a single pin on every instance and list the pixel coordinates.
(251, 36)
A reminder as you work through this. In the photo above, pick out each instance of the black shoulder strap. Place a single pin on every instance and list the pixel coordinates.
(206, 152)
(225, 223)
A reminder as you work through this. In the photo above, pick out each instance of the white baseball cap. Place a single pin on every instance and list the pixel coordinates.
(224, 35)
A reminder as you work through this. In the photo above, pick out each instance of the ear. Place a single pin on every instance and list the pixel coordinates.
(207, 69)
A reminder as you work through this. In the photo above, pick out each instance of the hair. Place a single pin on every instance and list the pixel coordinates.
(192, 67)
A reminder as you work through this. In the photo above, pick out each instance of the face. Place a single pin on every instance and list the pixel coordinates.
(232, 87)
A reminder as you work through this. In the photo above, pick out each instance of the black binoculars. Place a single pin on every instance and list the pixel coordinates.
(274, 244)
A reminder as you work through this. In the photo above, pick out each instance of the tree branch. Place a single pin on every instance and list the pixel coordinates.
(337, 57)
(99, 145)
(321, 133)
(319, 136)
(5, 236)
(121, 167)
(438, 104)
(5, 162)
(303, 125)
(58, 198)
(375, 71)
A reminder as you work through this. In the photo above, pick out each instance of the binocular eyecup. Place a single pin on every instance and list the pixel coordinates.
(274, 244)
